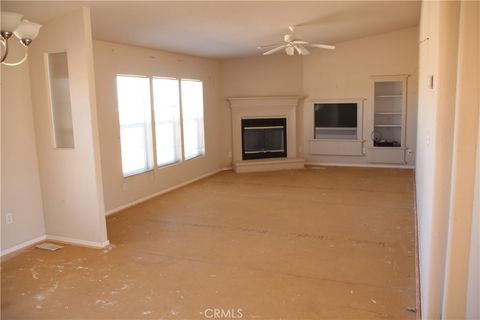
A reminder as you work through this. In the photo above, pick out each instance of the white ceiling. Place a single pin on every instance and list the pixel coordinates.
(222, 29)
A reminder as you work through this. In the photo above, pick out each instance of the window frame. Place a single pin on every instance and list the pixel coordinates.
(203, 153)
(147, 128)
(179, 128)
(150, 128)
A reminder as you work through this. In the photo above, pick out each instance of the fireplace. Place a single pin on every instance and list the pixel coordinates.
(264, 138)
(264, 133)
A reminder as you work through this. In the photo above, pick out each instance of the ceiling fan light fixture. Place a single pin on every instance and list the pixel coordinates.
(294, 42)
(290, 50)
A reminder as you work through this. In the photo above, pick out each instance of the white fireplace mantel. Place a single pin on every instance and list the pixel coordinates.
(265, 107)
(264, 102)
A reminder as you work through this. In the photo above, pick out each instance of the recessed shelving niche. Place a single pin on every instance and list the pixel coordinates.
(389, 115)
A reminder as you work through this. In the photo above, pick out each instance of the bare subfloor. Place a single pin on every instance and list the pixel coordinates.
(324, 243)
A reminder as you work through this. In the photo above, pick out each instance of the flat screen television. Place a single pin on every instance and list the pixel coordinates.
(335, 115)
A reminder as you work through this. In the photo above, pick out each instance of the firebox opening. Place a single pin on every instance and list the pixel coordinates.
(264, 138)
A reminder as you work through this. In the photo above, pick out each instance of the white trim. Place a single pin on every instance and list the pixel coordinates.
(23, 245)
(135, 202)
(335, 100)
(338, 147)
(360, 165)
(265, 98)
(84, 243)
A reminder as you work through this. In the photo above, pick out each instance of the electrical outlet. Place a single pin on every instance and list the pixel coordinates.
(9, 218)
(229, 154)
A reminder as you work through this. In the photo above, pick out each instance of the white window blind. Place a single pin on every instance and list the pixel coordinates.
(134, 110)
(166, 99)
(192, 114)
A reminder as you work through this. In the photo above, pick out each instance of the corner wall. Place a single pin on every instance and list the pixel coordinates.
(70, 178)
(438, 57)
(259, 76)
(345, 73)
(446, 159)
(339, 74)
(20, 186)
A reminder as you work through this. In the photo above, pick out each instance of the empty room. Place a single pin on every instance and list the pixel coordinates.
(240, 160)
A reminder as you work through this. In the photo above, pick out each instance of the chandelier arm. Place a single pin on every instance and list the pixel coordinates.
(13, 64)
(5, 44)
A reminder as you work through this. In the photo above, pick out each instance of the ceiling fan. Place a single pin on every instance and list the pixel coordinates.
(293, 42)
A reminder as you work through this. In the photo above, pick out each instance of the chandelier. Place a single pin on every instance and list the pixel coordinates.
(24, 30)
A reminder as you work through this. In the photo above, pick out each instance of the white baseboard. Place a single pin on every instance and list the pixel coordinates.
(83, 243)
(78, 242)
(135, 202)
(23, 245)
(360, 165)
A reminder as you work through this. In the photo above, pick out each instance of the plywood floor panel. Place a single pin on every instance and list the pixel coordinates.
(325, 243)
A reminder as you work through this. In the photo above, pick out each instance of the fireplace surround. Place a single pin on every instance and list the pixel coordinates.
(265, 152)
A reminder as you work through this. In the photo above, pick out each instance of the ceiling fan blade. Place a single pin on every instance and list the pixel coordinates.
(270, 45)
(299, 42)
(322, 46)
(290, 50)
(274, 50)
(303, 51)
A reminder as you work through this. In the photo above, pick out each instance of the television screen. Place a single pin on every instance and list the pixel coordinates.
(335, 115)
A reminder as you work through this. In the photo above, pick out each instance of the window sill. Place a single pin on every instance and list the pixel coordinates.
(165, 166)
(137, 174)
(197, 157)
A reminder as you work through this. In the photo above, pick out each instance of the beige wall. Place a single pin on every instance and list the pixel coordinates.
(112, 59)
(341, 73)
(70, 178)
(274, 75)
(447, 140)
(21, 194)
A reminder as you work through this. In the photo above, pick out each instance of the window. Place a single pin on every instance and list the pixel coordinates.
(134, 111)
(177, 115)
(192, 112)
(167, 120)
